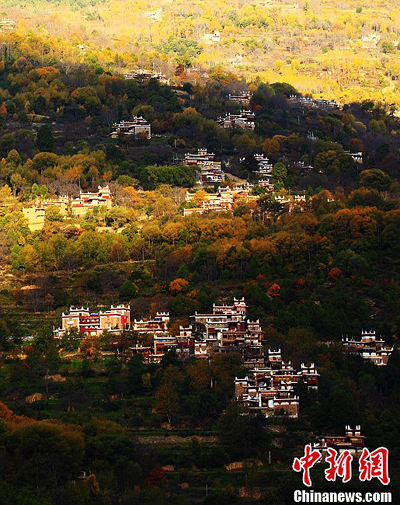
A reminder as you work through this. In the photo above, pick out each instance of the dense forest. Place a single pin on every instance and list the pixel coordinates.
(84, 420)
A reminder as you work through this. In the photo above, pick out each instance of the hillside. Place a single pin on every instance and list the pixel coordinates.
(343, 50)
(199, 251)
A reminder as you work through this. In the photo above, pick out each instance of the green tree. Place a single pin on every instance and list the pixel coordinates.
(167, 401)
(243, 434)
(244, 144)
(279, 174)
(44, 139)
(128, 290)
(71, 341)
(46, 454)
(388, 46)
(53, 214)
(44, 190)
(35, 190)
(183, 271)
(14, 158)
(375, 179)
(16, 182)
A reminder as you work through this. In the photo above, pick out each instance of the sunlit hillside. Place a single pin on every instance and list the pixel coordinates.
(345, 50)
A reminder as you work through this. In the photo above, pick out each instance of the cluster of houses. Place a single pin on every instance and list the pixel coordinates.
(138, 127)
(226, 329)
(269, 387)
(213, 37)
(77, 207)
(302, 166)
(223, 200)
(264, 172)
(7, 25)
(370, 41)
(156, 15)
(88, 201)
(292, 202)
(369, 347)
(351, 441)
(269, 384)
(312, 102)
(141, 76)
(245, 120)
(242, 98)
(209, 171)
(357, 157)
(94, 324)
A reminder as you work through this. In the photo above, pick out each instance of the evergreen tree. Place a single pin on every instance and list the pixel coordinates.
(44, 139)
(183, 271)
(127, 291)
